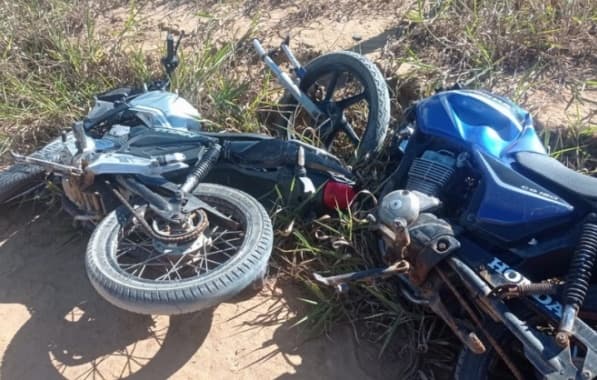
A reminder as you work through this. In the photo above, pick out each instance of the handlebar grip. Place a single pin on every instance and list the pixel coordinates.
(170, 46)
(259, 49)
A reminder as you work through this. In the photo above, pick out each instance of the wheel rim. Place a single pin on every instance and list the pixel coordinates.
(143, 257)
(345, 101)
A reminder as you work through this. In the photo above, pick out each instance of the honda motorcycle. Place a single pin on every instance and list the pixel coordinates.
(172, 232)
(494, 235)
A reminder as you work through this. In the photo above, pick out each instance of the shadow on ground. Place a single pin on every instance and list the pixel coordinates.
(54, 325)
(69, 326)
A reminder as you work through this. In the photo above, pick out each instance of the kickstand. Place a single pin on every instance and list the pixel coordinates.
(340, 282)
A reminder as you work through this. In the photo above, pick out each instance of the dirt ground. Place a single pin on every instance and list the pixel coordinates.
(369, 28)
(54, 325)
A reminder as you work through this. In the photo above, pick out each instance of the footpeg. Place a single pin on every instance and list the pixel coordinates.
(46, 164)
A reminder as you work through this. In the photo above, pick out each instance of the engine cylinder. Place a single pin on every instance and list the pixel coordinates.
(430, 172)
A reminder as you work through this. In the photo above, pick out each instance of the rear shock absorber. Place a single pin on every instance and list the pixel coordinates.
(202, 168)
(578, 279)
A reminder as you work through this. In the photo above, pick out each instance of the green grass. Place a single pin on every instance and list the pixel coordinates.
(509, 46)
(53, 60)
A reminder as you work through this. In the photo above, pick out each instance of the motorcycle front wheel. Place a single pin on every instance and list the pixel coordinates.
(137, 272)
(352, 95)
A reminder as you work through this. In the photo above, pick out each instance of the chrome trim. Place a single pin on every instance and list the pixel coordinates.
(119, 163)
(48, 165)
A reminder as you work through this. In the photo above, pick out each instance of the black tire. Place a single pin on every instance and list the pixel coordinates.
(18, 179)
(192, 294)
(376, 92)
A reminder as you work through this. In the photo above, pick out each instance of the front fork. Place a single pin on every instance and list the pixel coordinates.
(285, 80)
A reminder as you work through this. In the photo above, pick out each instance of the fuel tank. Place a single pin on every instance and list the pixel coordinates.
(167, 110)
(511, 207)
(492, 123)
(506, 205)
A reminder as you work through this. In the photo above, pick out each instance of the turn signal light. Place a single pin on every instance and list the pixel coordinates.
(337, 195)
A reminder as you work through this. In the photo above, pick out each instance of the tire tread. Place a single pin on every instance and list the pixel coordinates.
(198, 294)
(377, 126)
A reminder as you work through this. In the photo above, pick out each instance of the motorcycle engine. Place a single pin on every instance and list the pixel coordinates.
(82, 205)
(404, 217)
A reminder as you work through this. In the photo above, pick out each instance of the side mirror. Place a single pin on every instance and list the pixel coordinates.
(81, 139)
(170, 61)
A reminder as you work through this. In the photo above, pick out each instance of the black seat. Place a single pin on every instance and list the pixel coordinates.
(552, 171)
(115, 95)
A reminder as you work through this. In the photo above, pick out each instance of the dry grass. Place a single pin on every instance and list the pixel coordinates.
(508, 35)
(512, 47)
(53, 60)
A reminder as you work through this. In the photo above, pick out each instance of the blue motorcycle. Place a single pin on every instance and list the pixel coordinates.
(499, 239)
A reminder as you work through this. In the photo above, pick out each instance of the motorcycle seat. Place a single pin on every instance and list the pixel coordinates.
(115, 95)
(552, 171)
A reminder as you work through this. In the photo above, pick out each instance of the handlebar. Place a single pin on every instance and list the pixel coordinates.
(170, 61)
(285, 80)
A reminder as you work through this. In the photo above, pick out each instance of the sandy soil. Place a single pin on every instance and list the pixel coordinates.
(316, 27)
(325, 27)
(55, 326)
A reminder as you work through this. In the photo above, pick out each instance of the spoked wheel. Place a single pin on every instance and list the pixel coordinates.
(353, 96)
(183, 267)
(183, 251)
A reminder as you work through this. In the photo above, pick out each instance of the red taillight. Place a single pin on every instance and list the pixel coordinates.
(337, 195)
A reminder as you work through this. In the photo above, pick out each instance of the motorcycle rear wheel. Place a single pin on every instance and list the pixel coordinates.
(348, 69)
(175, 282)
